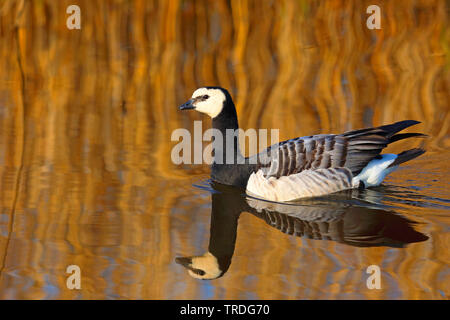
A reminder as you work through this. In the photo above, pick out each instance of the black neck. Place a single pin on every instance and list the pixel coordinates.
(227, 119)
(236, 170)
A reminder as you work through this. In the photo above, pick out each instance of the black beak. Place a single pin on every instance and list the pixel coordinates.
(187, 262)
(188, 105)
(184, 261)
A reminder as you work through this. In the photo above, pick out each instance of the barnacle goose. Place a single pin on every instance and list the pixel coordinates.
(305, 166)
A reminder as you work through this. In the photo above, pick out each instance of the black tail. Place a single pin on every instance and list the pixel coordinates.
(406, 156)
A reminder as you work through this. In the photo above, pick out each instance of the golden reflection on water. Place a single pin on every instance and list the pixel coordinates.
(86, 118)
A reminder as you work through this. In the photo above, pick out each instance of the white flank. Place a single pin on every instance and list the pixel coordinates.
(308, 183)
(318, 182)
(375, 171)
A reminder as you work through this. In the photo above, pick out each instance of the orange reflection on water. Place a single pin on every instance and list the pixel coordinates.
(86, 118)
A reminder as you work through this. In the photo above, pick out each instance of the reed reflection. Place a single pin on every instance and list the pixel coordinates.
(334, 218)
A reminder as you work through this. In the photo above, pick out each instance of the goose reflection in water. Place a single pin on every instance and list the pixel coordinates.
(335, 218)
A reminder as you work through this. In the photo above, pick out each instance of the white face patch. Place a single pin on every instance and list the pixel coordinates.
(212, 105)
(207, 263)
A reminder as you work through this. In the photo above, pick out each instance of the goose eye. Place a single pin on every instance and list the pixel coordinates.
(205, 96)
(199, 272)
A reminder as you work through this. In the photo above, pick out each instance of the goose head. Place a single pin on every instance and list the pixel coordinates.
(209, 100)
(205, 267)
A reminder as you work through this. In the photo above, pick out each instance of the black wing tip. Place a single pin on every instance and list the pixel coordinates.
(404, 123)
(388, 129)
(395, 127)
(411, 122)
(401, 136)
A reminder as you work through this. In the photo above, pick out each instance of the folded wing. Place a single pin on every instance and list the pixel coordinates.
(352, 150)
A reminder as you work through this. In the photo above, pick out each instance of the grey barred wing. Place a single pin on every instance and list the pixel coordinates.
(303, 153)
(352, 150)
